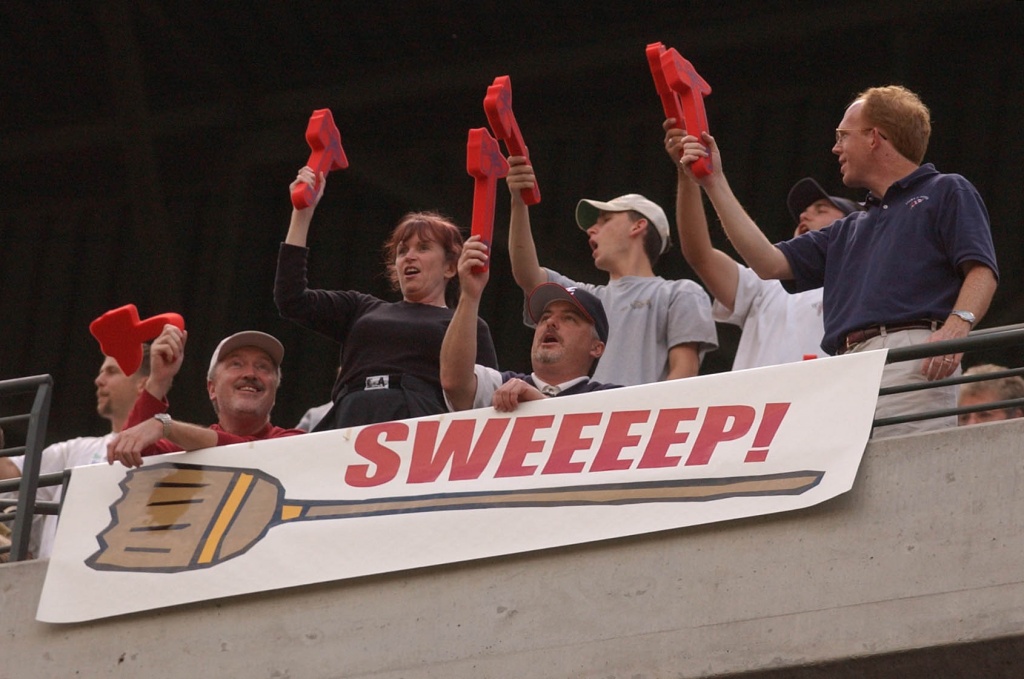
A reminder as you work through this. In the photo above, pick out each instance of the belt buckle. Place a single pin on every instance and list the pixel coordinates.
(377, 382)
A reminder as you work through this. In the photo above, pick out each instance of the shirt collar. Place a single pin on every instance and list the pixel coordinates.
(540, 384)
(926, 170)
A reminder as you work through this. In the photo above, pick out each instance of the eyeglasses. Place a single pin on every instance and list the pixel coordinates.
(842, 134)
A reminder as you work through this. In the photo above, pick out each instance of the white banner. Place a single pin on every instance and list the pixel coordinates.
(412, 493)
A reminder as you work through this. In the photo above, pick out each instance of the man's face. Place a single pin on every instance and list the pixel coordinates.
(818, 215)
(981, 397)
(853, 145)
(609, 238)
(565, 336)
(115, 391)
(244, 384)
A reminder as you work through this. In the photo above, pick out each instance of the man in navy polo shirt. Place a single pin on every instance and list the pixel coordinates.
(917, 266)
(570, 337)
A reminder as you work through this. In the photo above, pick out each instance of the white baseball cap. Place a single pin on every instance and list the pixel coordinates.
(587, 212)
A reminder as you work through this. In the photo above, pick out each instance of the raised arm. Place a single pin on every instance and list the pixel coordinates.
(458, 350)
(522, 251)
(141, 432)
(717, 270)
(165, 357)
(298, 227)
(292, 295)
(753, 246)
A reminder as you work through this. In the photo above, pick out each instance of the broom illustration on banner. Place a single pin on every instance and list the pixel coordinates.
(174, 517)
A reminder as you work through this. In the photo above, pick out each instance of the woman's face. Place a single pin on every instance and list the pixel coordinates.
(422, 271)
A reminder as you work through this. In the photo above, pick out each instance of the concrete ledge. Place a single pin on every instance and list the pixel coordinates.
(917, 572)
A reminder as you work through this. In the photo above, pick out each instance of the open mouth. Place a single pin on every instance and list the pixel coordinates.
(410, 271)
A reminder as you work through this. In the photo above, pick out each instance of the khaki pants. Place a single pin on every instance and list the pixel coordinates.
(907, 372)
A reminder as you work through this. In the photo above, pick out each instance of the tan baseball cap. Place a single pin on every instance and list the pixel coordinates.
(247, 338)
(587, 212)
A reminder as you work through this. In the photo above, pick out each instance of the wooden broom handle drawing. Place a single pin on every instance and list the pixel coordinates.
(174, 517)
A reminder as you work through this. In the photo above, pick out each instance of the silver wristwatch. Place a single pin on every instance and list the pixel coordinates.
(165, 420)
(965, 315)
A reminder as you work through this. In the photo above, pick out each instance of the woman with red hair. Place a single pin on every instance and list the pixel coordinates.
(389, 350)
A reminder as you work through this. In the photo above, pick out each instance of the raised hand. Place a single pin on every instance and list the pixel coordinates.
(520, 176)
(696, 149)
(165, 357)
(307, 177)
(473, 274)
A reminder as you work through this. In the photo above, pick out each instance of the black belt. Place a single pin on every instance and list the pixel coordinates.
(855, 337)
(376, 382)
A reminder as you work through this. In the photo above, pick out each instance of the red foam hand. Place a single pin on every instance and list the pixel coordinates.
(498, 107)
(486, 165)
(669, 100)
(121, 334)
(683, 79)
(327, 154)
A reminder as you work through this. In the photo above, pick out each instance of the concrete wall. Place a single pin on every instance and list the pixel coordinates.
(917, 572)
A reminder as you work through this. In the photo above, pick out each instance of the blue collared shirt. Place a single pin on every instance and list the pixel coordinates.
(900, 260)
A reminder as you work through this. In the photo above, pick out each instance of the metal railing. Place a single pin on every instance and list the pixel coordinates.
(34, 422)
(978, 340)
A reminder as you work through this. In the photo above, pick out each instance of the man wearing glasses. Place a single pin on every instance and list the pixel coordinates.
(918, 265)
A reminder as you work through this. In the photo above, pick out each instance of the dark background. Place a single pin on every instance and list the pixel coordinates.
(147, 148)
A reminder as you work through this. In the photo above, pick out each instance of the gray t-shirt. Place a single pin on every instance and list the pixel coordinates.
(647, 315)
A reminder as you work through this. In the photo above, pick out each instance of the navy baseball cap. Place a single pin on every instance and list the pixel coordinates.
(546, 293)
(807, 192)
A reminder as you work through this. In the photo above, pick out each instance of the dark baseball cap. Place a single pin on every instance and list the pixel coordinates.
(807, 192)
(546, 293)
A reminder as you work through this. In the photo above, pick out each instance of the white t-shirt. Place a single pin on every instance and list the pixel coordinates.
(56, 458)
(777, 327)
(312, 417)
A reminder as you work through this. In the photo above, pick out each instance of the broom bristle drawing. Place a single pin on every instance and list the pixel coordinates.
(174, 517)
